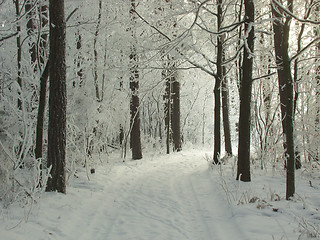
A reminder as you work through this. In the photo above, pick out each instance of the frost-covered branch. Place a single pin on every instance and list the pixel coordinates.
(284, 9)
(305, 48)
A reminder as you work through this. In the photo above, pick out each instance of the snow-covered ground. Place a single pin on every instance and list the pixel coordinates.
(166, 197)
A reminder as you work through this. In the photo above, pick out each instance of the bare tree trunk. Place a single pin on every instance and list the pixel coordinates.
(19, 55)
(135, 138)
(225, 115)
(30, 31)
(281, 29)
(217, 90)
(79, 60)
(95, 53)
(167, 106)
(57, 98)
(175, 118)
(243, 172)
(41, 112)
(43, 83)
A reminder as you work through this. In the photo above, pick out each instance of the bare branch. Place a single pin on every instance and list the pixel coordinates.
(304, 49)
(9, 36)
(292, 15)
(264, 76)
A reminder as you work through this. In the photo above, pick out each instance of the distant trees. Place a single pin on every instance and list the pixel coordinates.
(172, 105)
(172, 86)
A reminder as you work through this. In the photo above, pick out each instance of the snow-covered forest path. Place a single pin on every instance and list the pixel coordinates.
(164, 197)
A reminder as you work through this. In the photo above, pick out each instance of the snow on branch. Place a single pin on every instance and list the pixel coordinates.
(294, 16)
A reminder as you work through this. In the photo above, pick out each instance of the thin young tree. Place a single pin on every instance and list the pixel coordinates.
(225, 113)
(243, 172)
(43, 82)
(57, 98)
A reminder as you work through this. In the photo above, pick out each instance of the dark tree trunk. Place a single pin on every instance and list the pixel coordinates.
(135, 138)
(281, 41)
(30, 31)
(243, 172)
(218, 78)
(43, 84)
(172, 105)
(167, 107)
(95, 53)
(79, 60)
(57, 98)
(225, 115)
(175, 118)
(19, 55)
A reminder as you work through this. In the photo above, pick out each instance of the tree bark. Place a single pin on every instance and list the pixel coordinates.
(225, 115)
(167, 105)
(135, 138)
(217, 90)
(30, 31)
(175, 118)
(57, 98)
(41, 111)
(243, 172)
(281, 28)
(43, 83)
(95, 53)
(19, 55)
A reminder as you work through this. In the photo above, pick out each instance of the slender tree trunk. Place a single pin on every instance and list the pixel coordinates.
(225, 115)
(43, 84)
(135, 138)
(41, 112)
(79, 60)
(175, 118)
(167, 106)
(95, 53)
(57, 98)
(30, 31)
(19, 55)
(217, 90)
(281, 42)
(245, 96)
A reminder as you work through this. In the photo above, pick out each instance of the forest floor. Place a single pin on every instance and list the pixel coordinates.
(175, 196)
